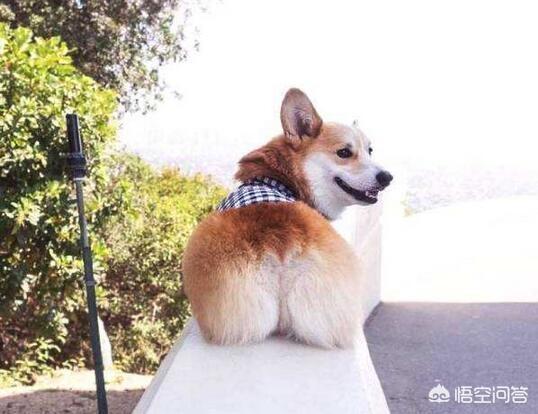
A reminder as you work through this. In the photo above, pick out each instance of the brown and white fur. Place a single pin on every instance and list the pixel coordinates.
(270, 268)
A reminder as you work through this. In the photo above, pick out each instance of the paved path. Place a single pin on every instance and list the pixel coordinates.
(415, 346)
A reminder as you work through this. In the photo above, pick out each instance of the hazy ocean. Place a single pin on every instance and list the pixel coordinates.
(426, 186)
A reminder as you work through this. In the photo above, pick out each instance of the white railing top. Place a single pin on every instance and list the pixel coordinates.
(275, 376)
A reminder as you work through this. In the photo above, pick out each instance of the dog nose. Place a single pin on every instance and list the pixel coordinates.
(384, 178)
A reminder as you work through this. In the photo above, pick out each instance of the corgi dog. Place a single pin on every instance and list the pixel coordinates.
(268, 260)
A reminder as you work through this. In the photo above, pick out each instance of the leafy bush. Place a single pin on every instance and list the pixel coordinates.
(40, 286)
(144, 308)
(138, 220)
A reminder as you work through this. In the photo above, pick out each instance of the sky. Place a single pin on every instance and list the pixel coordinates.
(430, 82)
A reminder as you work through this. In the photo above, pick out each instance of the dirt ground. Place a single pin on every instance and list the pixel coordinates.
(73, 392)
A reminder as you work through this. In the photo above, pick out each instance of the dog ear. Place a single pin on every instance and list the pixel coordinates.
(298, 116)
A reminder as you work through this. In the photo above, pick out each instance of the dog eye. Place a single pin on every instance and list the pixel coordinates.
(370, 150)
(344, 153)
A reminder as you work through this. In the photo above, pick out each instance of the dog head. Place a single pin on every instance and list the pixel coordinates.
(336, 158)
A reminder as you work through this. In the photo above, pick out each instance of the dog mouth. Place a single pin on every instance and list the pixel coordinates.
(368, 196)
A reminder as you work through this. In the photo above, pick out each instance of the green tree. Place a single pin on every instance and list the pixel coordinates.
(119, 43)
(39, 265)
(142, 303)
(139, 220)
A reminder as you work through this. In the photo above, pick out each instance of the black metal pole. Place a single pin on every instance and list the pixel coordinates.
(77, 166)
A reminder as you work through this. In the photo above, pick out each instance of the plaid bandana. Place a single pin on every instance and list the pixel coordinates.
(257, 190)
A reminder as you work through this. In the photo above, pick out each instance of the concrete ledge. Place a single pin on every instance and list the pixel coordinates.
(361, 227)
(474, 251)
(276, 376)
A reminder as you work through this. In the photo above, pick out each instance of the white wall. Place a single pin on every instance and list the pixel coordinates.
(361, 227)
(275, 376)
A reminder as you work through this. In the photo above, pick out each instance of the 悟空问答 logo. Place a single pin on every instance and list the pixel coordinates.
(439, 394)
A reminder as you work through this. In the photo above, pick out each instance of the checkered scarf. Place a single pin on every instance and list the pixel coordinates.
(257, 190)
